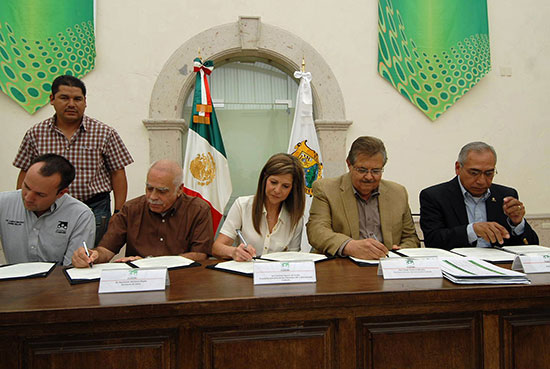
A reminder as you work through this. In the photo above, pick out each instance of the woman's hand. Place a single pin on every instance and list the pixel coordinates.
(243, 252)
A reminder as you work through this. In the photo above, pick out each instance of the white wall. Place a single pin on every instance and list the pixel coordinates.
(135, 38)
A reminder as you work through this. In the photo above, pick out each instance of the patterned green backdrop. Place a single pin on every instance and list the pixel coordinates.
(39, 40)
(433, 51)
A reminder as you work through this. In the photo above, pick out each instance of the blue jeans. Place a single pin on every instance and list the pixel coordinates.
(102, 212)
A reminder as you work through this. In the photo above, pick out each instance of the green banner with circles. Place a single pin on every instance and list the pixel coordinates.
(433, 51)
(40, 40)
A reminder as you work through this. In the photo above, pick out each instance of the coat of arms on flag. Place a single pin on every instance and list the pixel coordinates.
(205, 168)
(310, 161)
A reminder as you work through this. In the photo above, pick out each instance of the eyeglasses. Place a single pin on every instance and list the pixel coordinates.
(476, 173)
(364, 171)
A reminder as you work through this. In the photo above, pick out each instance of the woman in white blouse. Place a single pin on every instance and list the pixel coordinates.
(271, 220)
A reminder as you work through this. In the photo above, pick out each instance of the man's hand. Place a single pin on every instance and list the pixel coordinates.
(243, 252)
(514, 209)
(367, 248)
(491, 232)
(81, 260)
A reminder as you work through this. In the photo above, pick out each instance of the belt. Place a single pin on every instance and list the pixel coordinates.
(97, 197)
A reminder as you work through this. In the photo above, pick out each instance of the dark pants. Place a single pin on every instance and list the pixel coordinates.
(101, 207)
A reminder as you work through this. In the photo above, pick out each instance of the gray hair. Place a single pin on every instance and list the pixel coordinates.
(367, 145)
(476, 146)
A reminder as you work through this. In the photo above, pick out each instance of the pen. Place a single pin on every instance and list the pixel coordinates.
(87, 252)
(373, 236)
(241, 237)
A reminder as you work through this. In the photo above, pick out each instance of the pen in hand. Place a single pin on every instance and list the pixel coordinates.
(87, 252)
(241, 237)
(373, 236)
(243, 241)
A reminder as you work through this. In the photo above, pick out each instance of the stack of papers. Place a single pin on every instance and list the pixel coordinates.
(475, 271)
(486, 253)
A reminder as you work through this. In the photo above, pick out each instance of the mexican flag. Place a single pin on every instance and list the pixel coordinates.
(304, 144)
(205, 168)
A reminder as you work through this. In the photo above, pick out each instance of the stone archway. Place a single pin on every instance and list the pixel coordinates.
(246, 38)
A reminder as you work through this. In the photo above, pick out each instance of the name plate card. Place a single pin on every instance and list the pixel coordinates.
(532, 263)
(133, 280)
(284, 272)
(408, 268)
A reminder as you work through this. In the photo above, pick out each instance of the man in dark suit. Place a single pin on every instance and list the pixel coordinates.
(470, 210)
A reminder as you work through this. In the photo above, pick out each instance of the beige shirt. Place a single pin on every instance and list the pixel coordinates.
(284, 237)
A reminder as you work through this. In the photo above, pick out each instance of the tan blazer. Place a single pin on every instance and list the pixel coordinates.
(334, 218)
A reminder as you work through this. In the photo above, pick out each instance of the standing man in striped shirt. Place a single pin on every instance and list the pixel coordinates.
(94, 148)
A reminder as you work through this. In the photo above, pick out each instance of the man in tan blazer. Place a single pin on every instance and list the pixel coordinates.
(359, 214)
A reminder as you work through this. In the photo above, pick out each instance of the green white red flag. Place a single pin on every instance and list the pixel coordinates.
(205, 168)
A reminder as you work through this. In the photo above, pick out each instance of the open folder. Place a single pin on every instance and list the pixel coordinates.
(247, 267)
(26, 270)
(84, 275)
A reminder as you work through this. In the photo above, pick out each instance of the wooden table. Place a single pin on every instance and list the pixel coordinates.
(350, 318)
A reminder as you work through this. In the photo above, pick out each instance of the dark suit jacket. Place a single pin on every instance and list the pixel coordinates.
(443, 216)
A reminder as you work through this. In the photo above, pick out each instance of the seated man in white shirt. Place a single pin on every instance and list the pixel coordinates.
(41, 222)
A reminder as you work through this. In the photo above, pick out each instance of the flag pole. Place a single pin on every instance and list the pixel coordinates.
(303, 64)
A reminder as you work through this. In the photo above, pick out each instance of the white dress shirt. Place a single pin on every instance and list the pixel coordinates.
(284, 237)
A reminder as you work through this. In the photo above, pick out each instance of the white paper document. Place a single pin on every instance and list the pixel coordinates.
(426, 251)
(485, 253)
(94, 272)
(526, 249)
(245, 267)
(469, 270)
(374, 261)
(294, 255)
(23, 270)
(174, 261)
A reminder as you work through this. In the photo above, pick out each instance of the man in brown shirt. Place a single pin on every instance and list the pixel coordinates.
(164, 221)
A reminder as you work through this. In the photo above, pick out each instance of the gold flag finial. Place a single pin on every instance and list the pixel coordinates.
(303, 64)
(199, 52)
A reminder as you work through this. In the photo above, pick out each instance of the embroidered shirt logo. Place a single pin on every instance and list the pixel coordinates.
(14, 222)
(62, 227)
